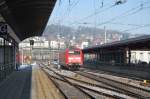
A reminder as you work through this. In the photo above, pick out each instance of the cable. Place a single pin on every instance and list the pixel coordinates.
(140, 9)
(93, 14)
(69, 9)
(131, 29)
(60, 2)
(125, 14)
(125, 24)
(73, 5)
(98, 12)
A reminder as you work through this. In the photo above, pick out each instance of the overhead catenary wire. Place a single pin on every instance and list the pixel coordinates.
(135, 28)
(65, 12)
(70, 7)
(127, 13)
(116, 23)
(140, 9)
(117, 17)
(59, 2)
(93, 14)
(98, 12)
(74, 4)
(128, 24)
(57, 9)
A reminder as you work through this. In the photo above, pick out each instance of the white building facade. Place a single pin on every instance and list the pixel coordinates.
(140, 56)
(84, 44)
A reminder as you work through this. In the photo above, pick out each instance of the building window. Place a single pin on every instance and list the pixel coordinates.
(141, 56)
(133, 57)
(149, 57)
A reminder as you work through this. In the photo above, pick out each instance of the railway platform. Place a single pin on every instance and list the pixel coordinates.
(29, 82)
(138, 73)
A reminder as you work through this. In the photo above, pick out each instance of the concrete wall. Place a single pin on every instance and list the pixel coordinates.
(1, 55)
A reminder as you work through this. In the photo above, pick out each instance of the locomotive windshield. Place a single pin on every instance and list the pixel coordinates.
(74, 52)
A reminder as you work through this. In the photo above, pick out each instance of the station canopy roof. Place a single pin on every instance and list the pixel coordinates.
(137, 43)
(27, 17)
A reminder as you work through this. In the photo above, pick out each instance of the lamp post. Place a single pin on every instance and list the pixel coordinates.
(105, 35)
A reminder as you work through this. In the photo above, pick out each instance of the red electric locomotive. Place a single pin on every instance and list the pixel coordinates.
(71, 58)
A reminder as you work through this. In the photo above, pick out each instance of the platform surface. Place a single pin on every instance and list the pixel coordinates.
(29, 82)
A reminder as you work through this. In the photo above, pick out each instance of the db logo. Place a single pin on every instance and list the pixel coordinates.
(3, 28)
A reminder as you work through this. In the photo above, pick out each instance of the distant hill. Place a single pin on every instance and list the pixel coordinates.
(82, 33)
(67, 31)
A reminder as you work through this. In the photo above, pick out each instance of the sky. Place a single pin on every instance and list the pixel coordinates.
(132, 16)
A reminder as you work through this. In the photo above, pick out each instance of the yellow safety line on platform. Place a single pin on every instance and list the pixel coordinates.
(43, 88)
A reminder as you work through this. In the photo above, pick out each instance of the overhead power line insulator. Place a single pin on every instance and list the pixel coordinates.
(119, 2)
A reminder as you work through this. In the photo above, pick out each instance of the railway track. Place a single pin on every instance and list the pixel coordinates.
(125, 75)
(114, 74)
(100, 90)
(137, 82)
(119, 92)
(69, 90)
(135, 91)
(92, 83)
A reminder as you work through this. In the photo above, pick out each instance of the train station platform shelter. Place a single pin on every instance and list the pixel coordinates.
(20, 19)
(118, 52)
(119, 57)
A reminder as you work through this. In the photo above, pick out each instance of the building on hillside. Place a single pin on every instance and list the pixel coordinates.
(57, 44)
(84, 44)
(54, 44)
(38, 43)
